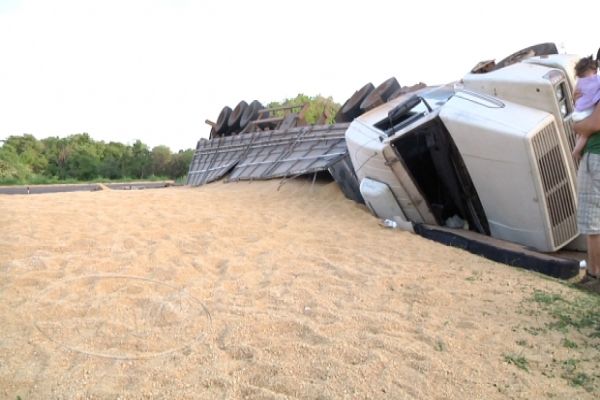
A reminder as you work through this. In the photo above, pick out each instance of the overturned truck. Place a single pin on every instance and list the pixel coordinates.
(489, 154)
(483, 163)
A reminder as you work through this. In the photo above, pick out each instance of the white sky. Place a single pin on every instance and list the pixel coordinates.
(156, 69)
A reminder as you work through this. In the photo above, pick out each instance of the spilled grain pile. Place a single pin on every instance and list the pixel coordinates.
(256, 290)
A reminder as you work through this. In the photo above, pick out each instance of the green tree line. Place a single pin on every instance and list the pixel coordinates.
(25, 159)
(318, 106)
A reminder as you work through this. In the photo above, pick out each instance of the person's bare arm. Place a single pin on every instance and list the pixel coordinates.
(589, 125)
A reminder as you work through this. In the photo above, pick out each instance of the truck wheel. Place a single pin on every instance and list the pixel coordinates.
(373, 100)
(351, 108)
(387, 88)
(250, 113)
(407, 89)
(339, 117)
(221, 125)
(380, 95)
(233, 122)
(515, 58)
(541, 49)
(212, 133)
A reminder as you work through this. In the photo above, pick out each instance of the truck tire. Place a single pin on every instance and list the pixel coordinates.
(250, 113)
(380, 95)
(373, 100)
(407, 89)
(212, 133)
(351, 108)
(221, 125)
(541, 49)
(387, 88)
(233, 122)
(339, 117)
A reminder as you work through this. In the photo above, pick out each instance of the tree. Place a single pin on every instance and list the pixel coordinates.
(139, 161)
(318, 106)
(180, 163)
(82, 164)
(11, 167)
(54, 150)
(29, 151)
(113, 164)
(161, 156)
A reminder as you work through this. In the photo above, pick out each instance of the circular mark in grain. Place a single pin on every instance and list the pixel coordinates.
(120, 316)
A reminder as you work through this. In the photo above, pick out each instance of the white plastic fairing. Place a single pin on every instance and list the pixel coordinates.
(380, 199)
(534, 86)
(564, 62)
(514, 157)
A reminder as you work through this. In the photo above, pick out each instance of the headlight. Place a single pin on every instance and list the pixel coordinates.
(563, 109)
(559, 93)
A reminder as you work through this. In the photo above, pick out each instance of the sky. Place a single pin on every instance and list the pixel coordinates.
(155, 70)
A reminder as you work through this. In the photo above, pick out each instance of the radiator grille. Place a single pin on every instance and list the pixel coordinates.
(571, 138)
(558, 191)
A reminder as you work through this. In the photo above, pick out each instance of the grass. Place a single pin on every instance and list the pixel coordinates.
(540, 296)
(576, 377)
(45, 180)
(518, 361)
(535, 331)
(439, 345)
(580, 379)
(577, 317)
(582, 313)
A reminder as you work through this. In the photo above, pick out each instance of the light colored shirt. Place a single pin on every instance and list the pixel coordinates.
(590, 92)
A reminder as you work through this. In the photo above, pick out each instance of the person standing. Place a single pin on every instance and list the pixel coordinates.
(588, 190)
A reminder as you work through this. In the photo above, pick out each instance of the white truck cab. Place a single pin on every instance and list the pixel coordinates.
(494, 151)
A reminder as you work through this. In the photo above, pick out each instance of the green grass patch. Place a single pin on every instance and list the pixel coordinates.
(582, 313)
(518, 361)
(181, 180)
(542, 297)
(439, 345)
(52, 180)
(569, 344)
(579, 312)
(575, 376)
(534, 330)
(580, 379)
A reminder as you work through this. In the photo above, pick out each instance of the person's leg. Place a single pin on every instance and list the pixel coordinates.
(593, 259)
(588, 208)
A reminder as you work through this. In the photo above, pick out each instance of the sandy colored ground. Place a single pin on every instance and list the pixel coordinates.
(246, 291)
